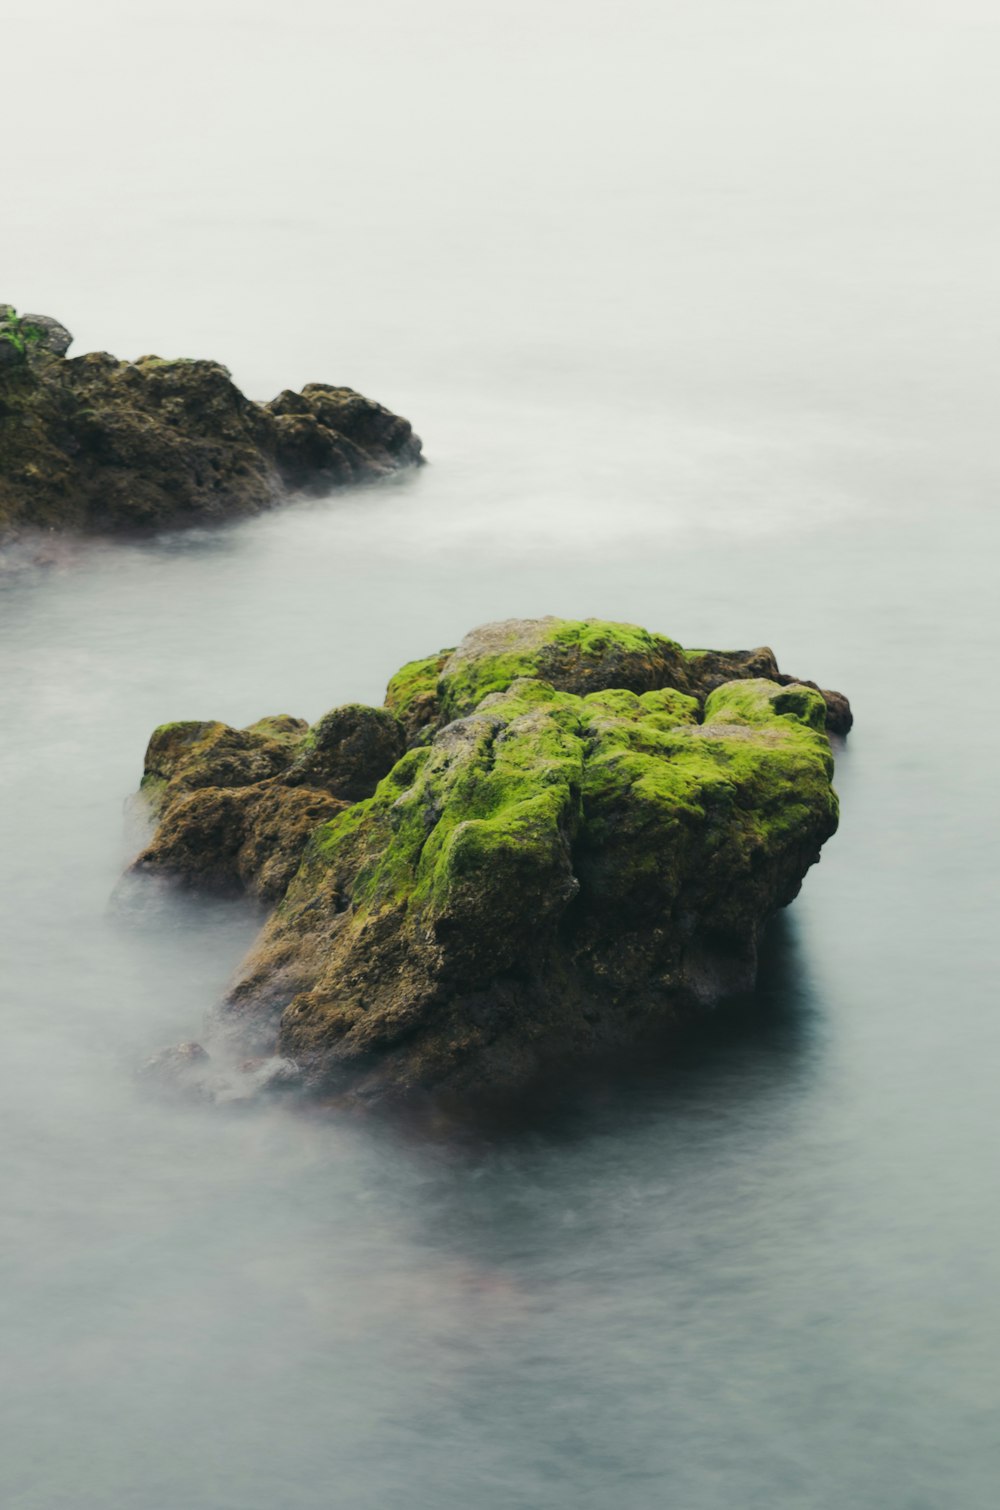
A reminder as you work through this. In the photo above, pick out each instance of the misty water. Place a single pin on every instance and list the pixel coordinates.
(695, 309)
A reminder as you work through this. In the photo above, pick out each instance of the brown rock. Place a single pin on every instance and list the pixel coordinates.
(93, 443)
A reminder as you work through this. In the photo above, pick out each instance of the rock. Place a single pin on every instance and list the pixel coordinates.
(237, 840)
(181, 1068)
(48, 333)
(187, 1070)
(571, 656)
(349, 751)
(181, 1055)
(574, 656)
(839, 718)
(13, 345)
(182, 757)
(92, 443)
(237, 806)
(558, 865)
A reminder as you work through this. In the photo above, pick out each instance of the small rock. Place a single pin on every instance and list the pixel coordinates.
(52, 336)
(180, 1067)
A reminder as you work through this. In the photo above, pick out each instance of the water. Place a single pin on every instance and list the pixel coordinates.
(695, 311)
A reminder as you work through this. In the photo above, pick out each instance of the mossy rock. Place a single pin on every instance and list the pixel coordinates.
(182, 757)
(235, 807)
(573, 655)
(237, 840)
(580, 847)
(93, 443)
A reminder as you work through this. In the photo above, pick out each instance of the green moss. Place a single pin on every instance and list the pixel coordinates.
(153, 788)
(583, 841)
(669, 812)
(664, 708)
(153, 364)
(466, 686)
(510, 811)
(412, 693)
(16, 331)
(281, 727)
(496, 785)
(630, 790)
(594, 637)
(757, 702)
(573, 654)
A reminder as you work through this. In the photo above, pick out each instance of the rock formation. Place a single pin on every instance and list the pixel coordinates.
(92, 443)
(558, 838)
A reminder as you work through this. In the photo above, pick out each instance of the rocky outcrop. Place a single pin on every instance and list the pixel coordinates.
(574, 657)
(579, 847)
(93, 443)
(236, 806)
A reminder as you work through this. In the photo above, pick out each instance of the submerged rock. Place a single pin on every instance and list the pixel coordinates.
(180, 1068)
(580, 846)
(188, 1070)
(93, 443)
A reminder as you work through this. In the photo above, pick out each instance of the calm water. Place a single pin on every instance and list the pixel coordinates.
(696, 310)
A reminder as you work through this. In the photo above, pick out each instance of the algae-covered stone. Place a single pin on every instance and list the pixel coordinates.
(581, 846)
(235, 807)
(349, 751)
(182, 757)
(93, 443)
(574, 655)
(231, 840)
(49, 334)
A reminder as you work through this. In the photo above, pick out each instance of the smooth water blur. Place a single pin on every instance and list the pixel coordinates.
(695, 309)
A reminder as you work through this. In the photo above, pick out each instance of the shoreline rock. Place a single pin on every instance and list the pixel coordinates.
(92, 443)
(554, 841)
(188, 1071)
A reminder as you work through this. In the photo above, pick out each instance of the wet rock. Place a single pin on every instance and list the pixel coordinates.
(236, 807)
(839, 718)
(349, 751)
(232, 841)
(48, 334)
(573, 656)
(579, 848)
(183, 1068)
(183, 757)
(93, 443)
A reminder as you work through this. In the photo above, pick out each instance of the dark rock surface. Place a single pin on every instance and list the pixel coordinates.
(236, 806)
(93, 443)
(580, 847)
(48, 334)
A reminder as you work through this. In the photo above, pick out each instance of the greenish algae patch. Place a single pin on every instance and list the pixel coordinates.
(552, 852)
(412, 694)
(574, 655)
